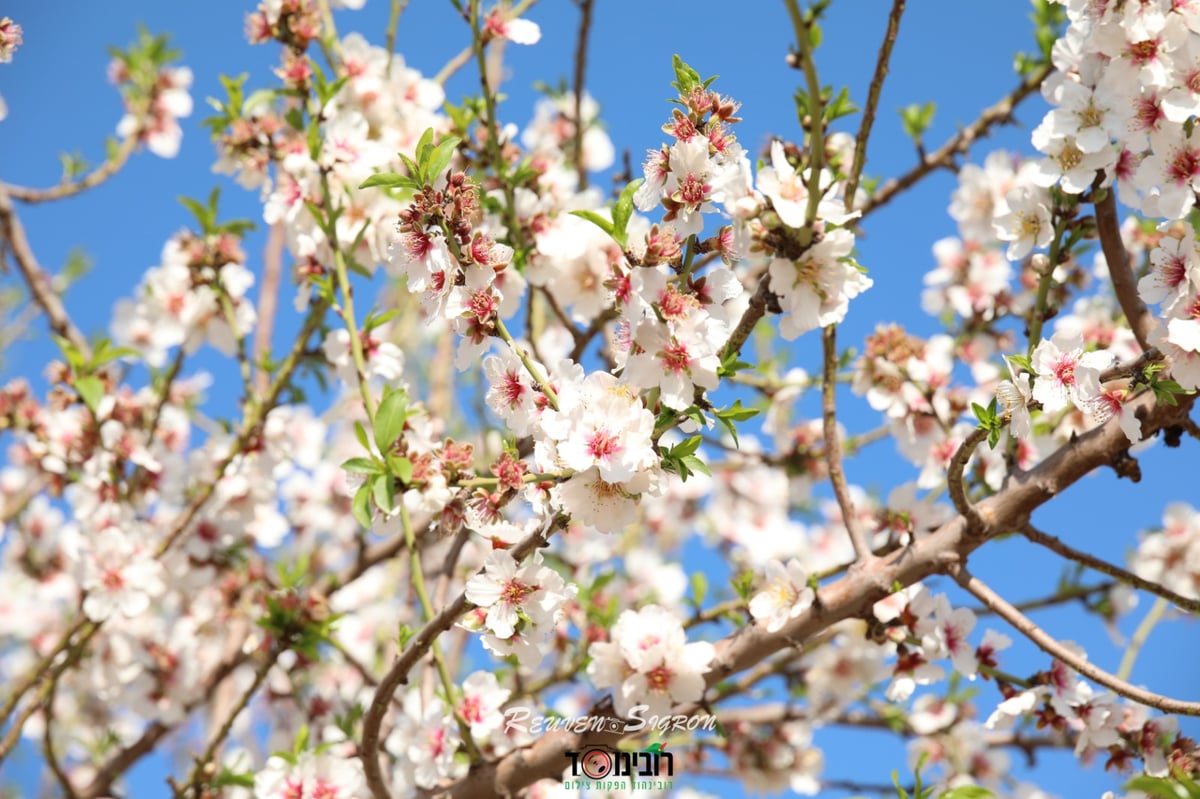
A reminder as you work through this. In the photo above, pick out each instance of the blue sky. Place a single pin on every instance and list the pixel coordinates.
(954, 53)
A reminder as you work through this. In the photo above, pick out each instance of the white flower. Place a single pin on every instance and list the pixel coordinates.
(312, 775)
(119, 576)
(650, 662)
(1065, 374)
(514, 593)
(1013, 398)
(481, 702)
(816, 290)
(1027, 223)
(785, 596)
(788, 192)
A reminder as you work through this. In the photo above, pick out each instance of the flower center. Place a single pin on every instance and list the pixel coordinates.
(658, 679)
(602, 445)
(515, 592)
(1185, 165)
(1070, 156)
(693, 190)
(675, 357)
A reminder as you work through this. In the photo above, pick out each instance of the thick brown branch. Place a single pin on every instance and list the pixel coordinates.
(1052, 647)
(1108, 227)
(851, 596)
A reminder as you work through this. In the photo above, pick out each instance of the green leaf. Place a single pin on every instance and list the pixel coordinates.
(1021, 361)
(362, 466)
(916, 119)
(91, 390)
(360, 433)
(1161, 788)
(734, 413)
(440, 158)
(694, 464)
(623, 210)
(743, 584)
(424, 145)
(596, 220)
(968, 792)
(686, 78)
(389, 419)
(361, 506)
(384, 492)
(389, 180)
(699, 588)
(203, 219)
(401, 468)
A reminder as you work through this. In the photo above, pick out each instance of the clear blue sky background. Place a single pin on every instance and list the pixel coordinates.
(956, 53)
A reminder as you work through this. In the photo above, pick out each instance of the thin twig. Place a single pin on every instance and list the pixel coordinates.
(833, 452)
(398, 7)
(49, 680)
(268, 301)
(1104, 567)
(1052, 647)
(868, 118)
(581, 44)
(1139, 637)
(201, 770)
(1075, 593)
(36, 279)
(52, 761)
(69, 188)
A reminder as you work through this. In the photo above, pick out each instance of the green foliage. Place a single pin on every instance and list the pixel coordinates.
(916, 119)
(206, 217)
(1177, 786)
(682, 459)
(1049, 19)
(428, 166)
(989, 420)
(390, 418)
(734, 413)
(1165, 390)
(743, 584)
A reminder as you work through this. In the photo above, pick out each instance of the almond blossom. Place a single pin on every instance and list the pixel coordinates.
(649, 662)
(785, 596)
(513, 593)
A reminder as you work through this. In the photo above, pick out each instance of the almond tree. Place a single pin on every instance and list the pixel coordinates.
(439, 550)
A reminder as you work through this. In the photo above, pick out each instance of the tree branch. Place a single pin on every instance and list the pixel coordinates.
(40, 289)
(1108, 227)
(852, 596)
(69, 188)
(1056, 545)
(581, 44)
(868, 118)
(833, 452)
(1052, 647)
(943, 157)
